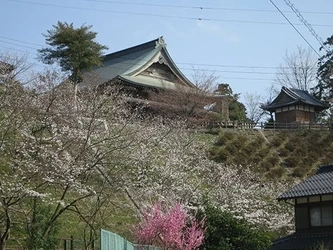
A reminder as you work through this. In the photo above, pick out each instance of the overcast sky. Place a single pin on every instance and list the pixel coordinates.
(241, 41)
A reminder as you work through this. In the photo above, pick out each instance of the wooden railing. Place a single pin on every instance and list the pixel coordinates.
(296, 125)
(264, 125)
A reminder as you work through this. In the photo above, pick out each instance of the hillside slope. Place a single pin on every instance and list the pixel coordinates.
(275, 153)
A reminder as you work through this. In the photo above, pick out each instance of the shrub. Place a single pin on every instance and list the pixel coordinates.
(221, 140)
(283, 152)
(239, 141)
(265, 165)
(291, 145)
(291, 161)
(277, 141)
(221, 155)
(273, 159)
(256, 143)
(300, 172)
(275, 173)
(226, 232)
(231, 148)
(255, 159)
(264, 152)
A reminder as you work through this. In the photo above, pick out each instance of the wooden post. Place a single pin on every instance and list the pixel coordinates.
(72, 242)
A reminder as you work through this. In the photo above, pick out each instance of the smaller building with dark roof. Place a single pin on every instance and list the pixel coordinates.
(313, 202)
(295, 105)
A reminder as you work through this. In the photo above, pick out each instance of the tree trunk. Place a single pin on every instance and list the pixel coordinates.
(5, 234)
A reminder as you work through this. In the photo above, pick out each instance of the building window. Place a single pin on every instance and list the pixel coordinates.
(315, 217)
(321, 216)
(327, 216)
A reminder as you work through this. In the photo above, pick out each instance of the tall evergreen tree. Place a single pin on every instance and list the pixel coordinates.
(75, 49)
(324, 89)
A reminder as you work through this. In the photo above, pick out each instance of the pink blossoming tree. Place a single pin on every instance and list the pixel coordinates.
(169, 227)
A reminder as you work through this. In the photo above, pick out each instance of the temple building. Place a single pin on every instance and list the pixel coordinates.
(148, 73)
(295, 106)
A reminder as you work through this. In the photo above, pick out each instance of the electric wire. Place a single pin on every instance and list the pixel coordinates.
(295, 28)
(181, 63)
(202, 7)
(163, 16)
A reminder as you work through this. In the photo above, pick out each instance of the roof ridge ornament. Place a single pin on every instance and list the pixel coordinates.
(160, 42)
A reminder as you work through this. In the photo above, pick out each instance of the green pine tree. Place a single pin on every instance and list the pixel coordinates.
(75, 49)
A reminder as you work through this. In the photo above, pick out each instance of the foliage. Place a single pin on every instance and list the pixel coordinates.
(73, 48)
(36, 226)
(237, 111)
(324, 89)
(296, 153)
(94, 162)
(169, 227)
(224, 231)
(55, 152)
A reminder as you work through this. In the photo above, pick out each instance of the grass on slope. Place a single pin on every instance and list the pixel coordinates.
(276, 154)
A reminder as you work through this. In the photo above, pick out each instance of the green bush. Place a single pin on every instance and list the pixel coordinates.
(221, 140)
(226, 232)
(231, 148)
(240, 141)
(291, 145)
(275, 173)
(300, 172)
(273, 159)
(221, 155)
(229, 135)
(263, 152)
(277, 141)
(265, 165)
(283, 152)
(292, 161)
(256, 143)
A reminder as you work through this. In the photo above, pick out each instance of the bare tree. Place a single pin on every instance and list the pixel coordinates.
(253, 101)
(298, 70)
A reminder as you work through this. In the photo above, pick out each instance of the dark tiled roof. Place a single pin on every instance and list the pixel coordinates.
(320, 183)
(290, 96)
(128, 63)
(302, 241)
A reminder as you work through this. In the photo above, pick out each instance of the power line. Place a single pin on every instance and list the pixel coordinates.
(202, 7)
(182, 63)
(308, 25)
(295, 28)
(237, 66)
(16, 40)
(163, 16)
(20, 45)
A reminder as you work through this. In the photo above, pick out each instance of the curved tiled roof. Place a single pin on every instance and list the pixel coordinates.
(128, 63)
(318, 184)
(301, 241)
(290, 96)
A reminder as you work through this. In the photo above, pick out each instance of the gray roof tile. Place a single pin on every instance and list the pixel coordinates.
(128, 62)
(299, 241)
(291, 96)
(320, 183)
